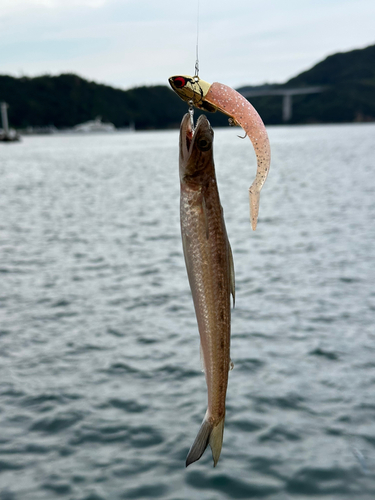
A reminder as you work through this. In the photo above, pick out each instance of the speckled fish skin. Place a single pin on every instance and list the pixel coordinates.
(218, 96)
(233, 104)
(210, 271)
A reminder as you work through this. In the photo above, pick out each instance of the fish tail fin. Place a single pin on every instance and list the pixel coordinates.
(201, 442)
(216, 440)
(208, 434)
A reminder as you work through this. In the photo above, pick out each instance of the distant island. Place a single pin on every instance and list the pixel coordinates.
(66, 100)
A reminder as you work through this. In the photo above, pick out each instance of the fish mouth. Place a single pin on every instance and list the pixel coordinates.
(188, 135)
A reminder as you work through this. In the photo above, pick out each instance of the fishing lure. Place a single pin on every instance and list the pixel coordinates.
(217, 96)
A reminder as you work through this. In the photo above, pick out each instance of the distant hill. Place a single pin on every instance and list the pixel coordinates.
(350, 95)
(342, 68)
(66, 100)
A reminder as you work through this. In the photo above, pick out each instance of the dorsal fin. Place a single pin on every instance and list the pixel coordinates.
(232, 277)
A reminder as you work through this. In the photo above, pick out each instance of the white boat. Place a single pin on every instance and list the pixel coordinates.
(94, 126)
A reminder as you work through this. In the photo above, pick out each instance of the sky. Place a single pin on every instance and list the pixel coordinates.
(128, 43)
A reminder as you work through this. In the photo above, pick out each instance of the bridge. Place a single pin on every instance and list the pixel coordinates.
(287, 95)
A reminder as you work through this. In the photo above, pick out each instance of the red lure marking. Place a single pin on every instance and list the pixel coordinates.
(180, 82)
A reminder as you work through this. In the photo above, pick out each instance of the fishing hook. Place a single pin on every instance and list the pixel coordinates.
(232, 123)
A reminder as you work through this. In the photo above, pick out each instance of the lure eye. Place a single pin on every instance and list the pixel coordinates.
(179, 82)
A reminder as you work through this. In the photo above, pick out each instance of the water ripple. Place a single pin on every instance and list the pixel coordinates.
(101, 389)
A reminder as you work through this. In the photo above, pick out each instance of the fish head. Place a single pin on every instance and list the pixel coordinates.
(196, 149)
(192, 90)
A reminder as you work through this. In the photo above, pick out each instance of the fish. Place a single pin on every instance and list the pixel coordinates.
(217, 96)
(210, 270)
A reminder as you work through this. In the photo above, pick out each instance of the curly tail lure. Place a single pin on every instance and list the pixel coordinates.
(217, 96)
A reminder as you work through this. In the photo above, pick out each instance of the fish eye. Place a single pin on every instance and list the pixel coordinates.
(204, 145)
(179, 82)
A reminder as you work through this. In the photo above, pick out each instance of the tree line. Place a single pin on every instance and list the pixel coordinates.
(66, 100)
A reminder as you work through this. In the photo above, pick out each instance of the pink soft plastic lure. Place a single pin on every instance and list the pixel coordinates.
(216, 96)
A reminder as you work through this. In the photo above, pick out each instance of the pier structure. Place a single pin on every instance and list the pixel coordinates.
(4, 118)
(287, 95)
(7, 135)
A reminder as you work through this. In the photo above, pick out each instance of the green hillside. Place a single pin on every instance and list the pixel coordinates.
(349, 78)
(342, 68)
(66, 100)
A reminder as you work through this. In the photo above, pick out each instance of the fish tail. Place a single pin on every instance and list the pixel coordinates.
(208, 434)
(216, 440)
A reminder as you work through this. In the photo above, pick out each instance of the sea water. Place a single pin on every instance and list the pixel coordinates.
(101, 389)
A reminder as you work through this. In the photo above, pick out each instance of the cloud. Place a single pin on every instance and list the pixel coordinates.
(12, 6)
(127, 42)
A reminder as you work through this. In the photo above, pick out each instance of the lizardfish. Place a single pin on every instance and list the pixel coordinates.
(210, 270)
(216, 96)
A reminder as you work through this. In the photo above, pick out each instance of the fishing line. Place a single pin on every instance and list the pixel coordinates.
(196, 74)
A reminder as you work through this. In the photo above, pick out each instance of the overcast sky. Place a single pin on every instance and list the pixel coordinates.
(128, 43)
